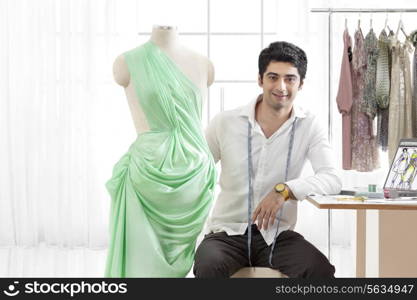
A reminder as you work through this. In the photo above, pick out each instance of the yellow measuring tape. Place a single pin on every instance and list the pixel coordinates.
(358, 198)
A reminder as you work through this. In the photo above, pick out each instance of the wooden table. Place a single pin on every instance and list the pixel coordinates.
(332, 202)
(386, 234)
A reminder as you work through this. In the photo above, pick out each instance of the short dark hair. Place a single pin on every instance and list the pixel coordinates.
(284, 52)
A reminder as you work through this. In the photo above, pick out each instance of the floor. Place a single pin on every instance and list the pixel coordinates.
(47, 261)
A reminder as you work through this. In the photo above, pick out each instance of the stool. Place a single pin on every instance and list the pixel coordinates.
(258, 272)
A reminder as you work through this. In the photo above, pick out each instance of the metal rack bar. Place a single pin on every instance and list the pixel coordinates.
(215, 33)
(363, 10)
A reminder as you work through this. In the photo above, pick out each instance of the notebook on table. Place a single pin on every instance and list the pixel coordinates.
(401, 179)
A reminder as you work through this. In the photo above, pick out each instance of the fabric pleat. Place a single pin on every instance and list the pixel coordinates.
(369, 103)
(383, 78)
(162, 188)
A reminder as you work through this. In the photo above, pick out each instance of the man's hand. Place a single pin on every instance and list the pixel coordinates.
(267, 209)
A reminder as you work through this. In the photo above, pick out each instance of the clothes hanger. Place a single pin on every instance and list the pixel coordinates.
(359, 24)
(359, 21)
(370, 23)
(401, 27)
(386, 24)
(346, 23)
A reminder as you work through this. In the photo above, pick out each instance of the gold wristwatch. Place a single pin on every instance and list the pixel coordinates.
(283, 190)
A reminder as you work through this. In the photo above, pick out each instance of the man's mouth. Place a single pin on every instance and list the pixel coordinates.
(280, 96)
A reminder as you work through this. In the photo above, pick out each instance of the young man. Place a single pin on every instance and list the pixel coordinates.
(263, 147)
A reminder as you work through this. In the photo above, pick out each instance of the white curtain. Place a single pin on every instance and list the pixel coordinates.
(55, 124)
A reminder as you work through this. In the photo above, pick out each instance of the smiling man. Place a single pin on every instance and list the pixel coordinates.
(262, 148)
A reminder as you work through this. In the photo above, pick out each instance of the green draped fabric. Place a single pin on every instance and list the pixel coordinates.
(162, 188)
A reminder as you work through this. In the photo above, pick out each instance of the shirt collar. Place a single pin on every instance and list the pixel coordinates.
(248, 110)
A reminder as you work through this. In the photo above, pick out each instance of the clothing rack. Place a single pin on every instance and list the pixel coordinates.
(364, 10)
(330, 12)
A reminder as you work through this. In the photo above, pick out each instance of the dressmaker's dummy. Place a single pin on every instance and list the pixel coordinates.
(197, 68)
(162, 188)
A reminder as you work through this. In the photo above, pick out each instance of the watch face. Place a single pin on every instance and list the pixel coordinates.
(280, 187)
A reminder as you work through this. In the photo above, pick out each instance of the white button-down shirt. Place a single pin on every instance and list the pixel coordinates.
(227, 137)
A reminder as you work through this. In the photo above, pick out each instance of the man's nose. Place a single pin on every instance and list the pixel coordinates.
(280, 85)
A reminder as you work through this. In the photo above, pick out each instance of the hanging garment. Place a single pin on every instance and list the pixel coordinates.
(162, 188)
(344, 99)
(383, 75)
(413, 40)
(369, 105)
(364, 150)
(383, 71)
(400, 107)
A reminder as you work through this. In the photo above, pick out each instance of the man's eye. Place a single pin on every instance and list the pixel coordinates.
(272, 77)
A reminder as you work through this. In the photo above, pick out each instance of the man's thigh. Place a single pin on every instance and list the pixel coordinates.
(296, 257)
(220, 255)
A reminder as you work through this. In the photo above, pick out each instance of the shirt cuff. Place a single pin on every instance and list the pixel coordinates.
(298, 189)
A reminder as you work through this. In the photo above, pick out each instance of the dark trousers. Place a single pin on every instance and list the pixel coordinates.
(220, 255)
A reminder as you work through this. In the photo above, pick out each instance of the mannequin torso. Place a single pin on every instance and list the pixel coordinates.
(196, 67)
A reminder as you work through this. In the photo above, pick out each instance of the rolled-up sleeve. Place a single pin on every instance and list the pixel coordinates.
(326, 178)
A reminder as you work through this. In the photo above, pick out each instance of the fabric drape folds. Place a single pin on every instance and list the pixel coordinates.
(400, 107)
(383, 77)
(364, 151)
(344, 99)
(369, 104)
(162, 188)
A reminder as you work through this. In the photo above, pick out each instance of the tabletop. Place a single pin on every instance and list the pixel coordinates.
(348, 202)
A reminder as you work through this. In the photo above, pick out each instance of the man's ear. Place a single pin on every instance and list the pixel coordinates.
(301, 85)
(260, 83)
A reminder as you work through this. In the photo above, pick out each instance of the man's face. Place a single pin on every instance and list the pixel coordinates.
(280, 84)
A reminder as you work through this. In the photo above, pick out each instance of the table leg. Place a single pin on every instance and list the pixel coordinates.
(372, 243)
(360, 243)
(329, 227)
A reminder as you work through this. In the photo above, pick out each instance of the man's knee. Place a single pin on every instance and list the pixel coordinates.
(319, 267)
(307, 262)
(220, 256)
(209, 263)
(208, 269)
